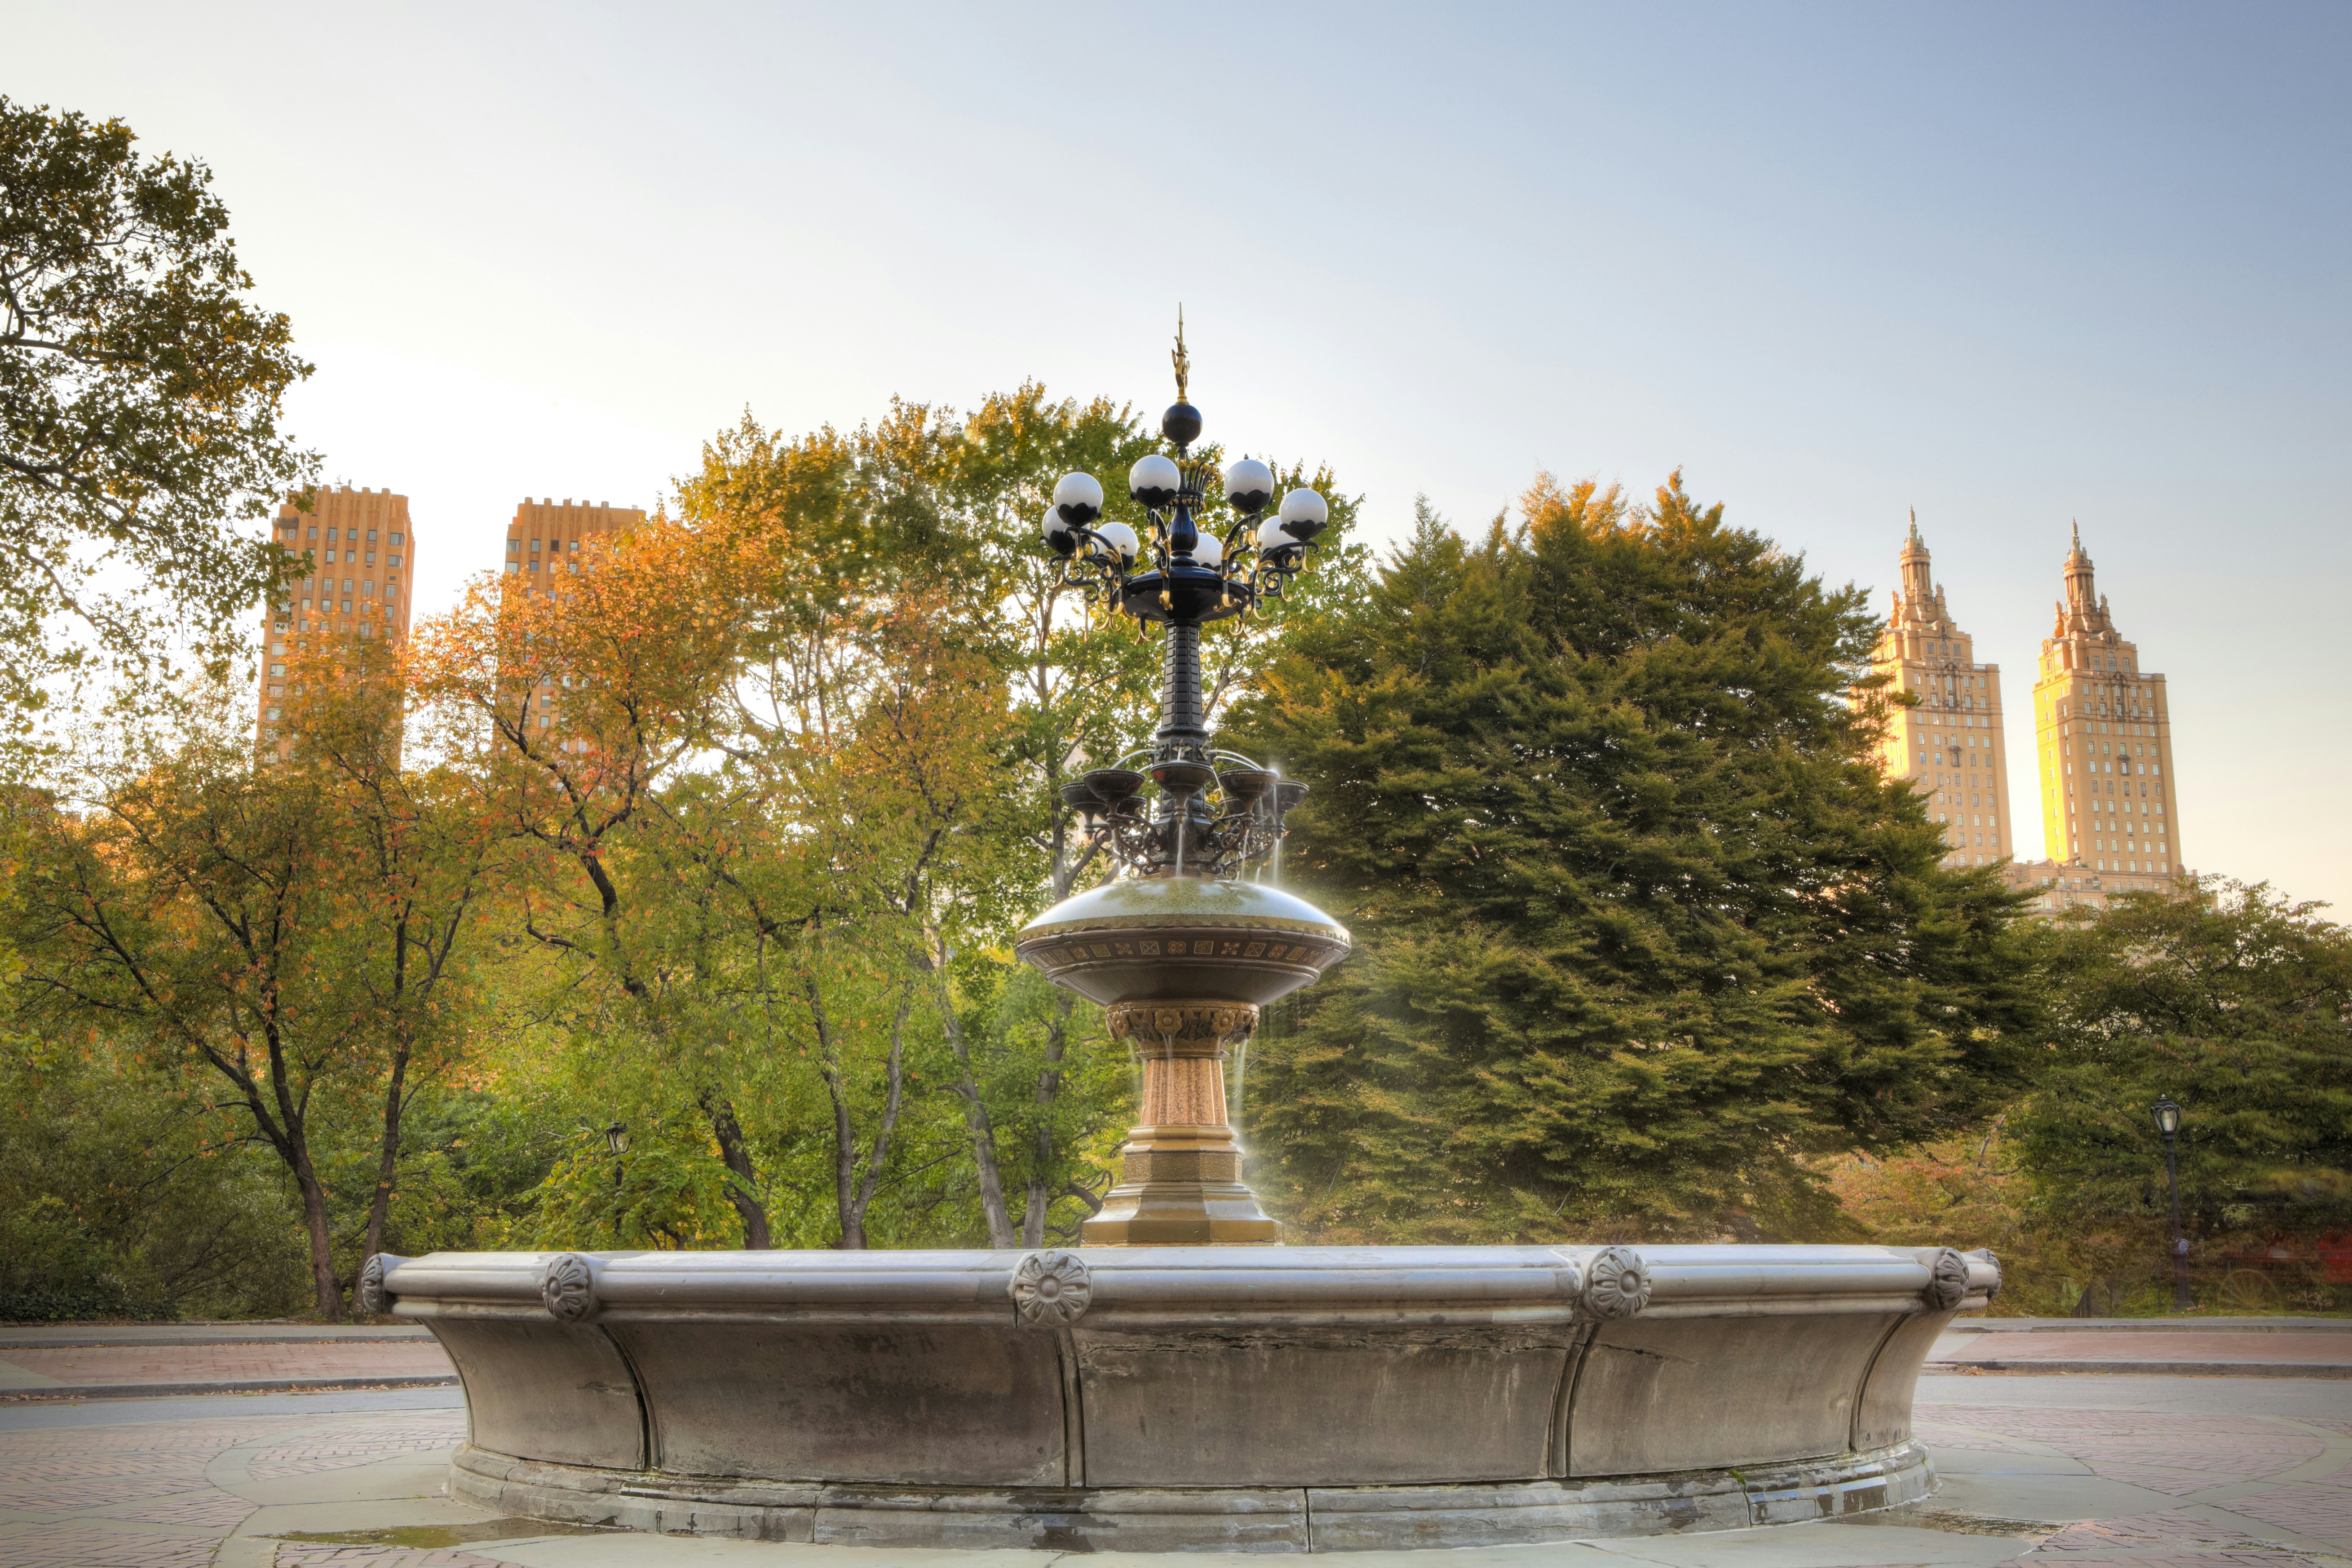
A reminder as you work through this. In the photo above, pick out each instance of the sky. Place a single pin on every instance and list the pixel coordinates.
(2012, 266)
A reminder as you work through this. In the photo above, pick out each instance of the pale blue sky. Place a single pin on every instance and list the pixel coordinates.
(2009, 264)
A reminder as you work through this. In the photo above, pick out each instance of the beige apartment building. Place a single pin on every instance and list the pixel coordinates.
(2103, 729)
(543, 549)
(1950, 743)
(363, 552)
(2104, 744)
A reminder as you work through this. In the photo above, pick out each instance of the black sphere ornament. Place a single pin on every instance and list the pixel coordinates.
(1180, 423)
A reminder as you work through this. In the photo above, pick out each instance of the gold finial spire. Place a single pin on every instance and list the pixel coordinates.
(1915, 523)
(1183, 361)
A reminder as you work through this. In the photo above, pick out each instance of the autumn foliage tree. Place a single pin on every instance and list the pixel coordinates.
(288, 937)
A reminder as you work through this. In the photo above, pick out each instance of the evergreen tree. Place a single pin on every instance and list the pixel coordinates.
(1640, 928)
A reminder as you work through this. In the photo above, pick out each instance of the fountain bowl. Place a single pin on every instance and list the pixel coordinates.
(1189, 1398)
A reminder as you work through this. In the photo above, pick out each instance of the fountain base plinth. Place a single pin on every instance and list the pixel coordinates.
(1250, 1519)
(1181, 1186)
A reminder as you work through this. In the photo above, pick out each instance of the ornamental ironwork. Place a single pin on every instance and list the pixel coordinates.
(1215, 813)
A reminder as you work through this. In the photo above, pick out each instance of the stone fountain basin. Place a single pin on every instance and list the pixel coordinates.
(1250, 1398)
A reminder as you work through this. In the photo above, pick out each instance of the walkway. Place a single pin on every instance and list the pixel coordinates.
(2090, 1472)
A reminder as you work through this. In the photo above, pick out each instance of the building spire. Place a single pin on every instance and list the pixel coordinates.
(1918, 590)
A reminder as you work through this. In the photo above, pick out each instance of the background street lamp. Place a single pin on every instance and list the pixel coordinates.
(616, 1139)
(2168, 1122)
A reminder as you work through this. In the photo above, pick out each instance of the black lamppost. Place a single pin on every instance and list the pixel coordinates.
(2168, 1122)
(616, 1139)
(1182, 946)
(1187, 573)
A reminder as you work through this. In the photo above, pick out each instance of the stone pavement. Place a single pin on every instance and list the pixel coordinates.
(2294, 1347)
(2088, 1472)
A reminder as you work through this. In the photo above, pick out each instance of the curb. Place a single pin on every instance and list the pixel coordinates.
(2149, 1368)
(241, 1385)
(384, 1337)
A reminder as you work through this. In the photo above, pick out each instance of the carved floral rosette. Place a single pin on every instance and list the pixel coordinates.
(568, 1287)
(1948, 1281)
(374, 1298)
(1051, 1289)
(1182, 1029)
(1616, 1283)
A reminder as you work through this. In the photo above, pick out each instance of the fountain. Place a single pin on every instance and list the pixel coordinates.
(1181, 1381)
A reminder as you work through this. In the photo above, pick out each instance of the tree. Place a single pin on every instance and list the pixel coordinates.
(1639, 926)
(283, 938)
(639, 646)
(2237, 1004)
(140, 399)
(422, 871)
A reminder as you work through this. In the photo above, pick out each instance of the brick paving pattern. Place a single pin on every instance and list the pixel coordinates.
(139, 1496)
(78, 1545)
(381, 1438)
(231, 1364)
(2171, 1540)
(2323, 1508)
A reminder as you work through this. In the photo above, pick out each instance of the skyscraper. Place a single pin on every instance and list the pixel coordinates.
(363, 567)
(2104, 731)
(1948, 743)
(543, 548)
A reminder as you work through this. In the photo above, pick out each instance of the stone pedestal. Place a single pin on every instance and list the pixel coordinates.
(1180, 1168)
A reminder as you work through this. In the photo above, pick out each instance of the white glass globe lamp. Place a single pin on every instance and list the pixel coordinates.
(1154, 481)
(1249, 485)
(1119, 537)
(1304, 514)
(1078, 498)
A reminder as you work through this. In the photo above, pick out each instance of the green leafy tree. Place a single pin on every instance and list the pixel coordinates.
(2235, 1002)
(141, 392)
(121, 1195)
(1639, 925)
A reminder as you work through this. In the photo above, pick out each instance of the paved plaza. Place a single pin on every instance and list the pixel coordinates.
(2097, 1470)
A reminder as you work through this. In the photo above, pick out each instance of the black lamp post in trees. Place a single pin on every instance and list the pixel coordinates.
(2168, 1122)
(1184, 944)
(616, 1139)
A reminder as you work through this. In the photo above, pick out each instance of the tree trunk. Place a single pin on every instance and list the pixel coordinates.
(387, 1166)
(976, 1123)
(856, 1197)
(1042, 1190)
(743, 1191)
(328, 1290)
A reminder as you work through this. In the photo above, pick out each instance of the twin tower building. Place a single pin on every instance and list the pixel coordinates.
(361, 584)
(2103, 743)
